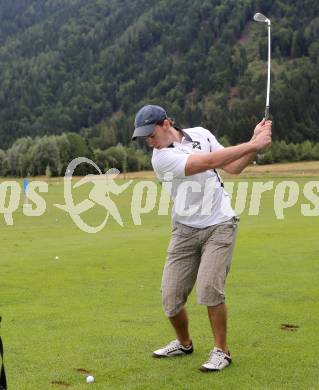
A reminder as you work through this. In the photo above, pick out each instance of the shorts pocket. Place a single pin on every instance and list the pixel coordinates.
(225, 233)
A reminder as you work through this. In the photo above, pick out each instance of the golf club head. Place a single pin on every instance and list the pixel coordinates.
(258, 17)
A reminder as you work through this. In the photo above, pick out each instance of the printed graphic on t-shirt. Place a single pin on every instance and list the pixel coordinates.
(196, 145)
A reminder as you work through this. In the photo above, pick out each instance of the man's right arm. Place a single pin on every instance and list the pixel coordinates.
(201, 162)
(239, 165)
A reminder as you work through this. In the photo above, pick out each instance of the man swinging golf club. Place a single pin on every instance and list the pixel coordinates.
(204, 224)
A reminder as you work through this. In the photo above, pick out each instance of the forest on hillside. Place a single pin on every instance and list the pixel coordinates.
(86, 67)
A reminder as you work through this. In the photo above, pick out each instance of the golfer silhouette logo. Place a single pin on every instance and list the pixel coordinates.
(104, 185)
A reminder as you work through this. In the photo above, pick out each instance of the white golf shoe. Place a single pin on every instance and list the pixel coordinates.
(174, 348)
(217, 361)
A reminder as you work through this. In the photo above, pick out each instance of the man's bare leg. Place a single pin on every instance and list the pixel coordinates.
(218, 321)
(180, 324)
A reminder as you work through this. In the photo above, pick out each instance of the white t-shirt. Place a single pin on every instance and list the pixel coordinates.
(199, 200)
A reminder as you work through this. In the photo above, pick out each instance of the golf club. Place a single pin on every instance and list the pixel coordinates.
(3, 381)
(262, 18)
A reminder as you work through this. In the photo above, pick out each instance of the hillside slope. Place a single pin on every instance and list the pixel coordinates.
(69, 65)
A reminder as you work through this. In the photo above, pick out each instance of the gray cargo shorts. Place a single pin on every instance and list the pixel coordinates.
(197, 255)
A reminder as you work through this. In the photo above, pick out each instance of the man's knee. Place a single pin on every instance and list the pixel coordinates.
(209, 295)
(173, 301)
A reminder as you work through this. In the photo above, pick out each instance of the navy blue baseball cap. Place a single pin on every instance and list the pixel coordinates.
(146, 120)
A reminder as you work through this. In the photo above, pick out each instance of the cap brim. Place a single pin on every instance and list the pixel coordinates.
(143, 131)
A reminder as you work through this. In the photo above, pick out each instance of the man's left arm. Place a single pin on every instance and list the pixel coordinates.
(239, 165)
(236, 167)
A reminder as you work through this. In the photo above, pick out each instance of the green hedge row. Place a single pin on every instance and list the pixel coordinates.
(50, 155)
(281, 151)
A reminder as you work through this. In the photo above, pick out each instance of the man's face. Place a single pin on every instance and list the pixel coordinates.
(160, 138)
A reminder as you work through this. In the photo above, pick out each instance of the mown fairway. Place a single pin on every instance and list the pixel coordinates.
(98, 308)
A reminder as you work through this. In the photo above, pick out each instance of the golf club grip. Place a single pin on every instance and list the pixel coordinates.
(267, 113)
(3, 381)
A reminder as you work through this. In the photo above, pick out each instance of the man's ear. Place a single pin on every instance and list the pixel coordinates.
(166, 124)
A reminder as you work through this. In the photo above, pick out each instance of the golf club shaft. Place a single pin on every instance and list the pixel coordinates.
(268, 77)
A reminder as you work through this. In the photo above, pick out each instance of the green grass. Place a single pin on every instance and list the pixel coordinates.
(98, 307)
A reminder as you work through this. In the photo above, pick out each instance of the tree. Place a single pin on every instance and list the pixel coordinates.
(298, 44)
(3, 163)
(101, 159)
(19, 157)
(45, 156)
(64, 147)
(117, 157)
(101, 136)
(78, 147)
